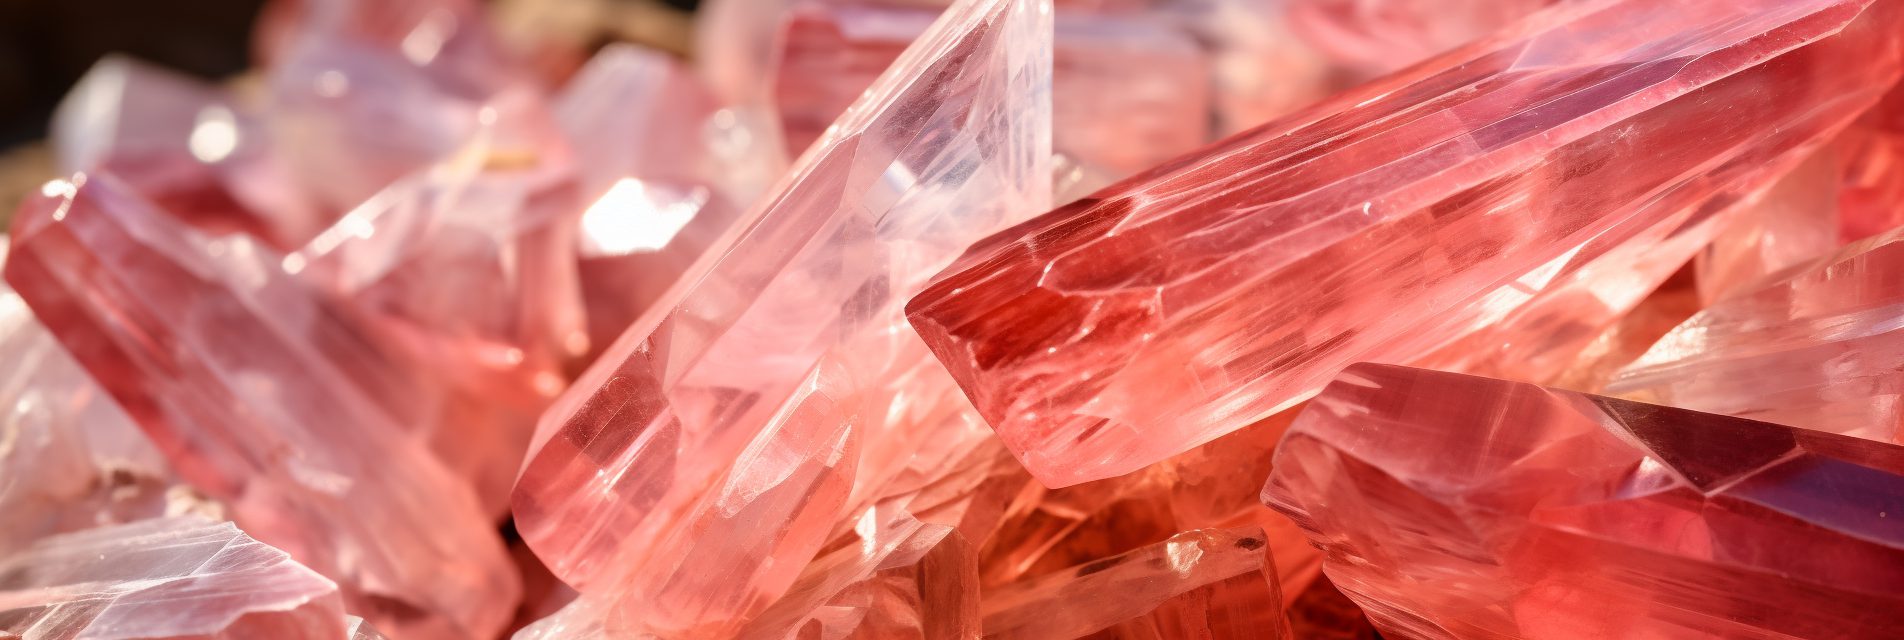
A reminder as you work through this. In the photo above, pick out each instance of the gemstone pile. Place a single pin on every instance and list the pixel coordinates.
(1028, 319)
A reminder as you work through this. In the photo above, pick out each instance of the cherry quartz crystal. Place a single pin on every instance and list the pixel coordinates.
(1454, 506)
(1493, 209)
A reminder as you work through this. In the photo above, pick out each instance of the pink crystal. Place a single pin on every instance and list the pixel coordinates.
(690, 474)
(72, 459)
(1816, 347)
(184, 144)
(364, 92)
(1127, 92)
(660, 194)
(1392, 220)
(1374, 37)
(252, 386)
(1210, 583)
(1793, 221)
(176, 578)
(1453, 506)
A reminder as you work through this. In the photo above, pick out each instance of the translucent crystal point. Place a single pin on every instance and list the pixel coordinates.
(696, 468)
(1488, 191)
(183, 578)
(1814, 347)
(1452, 506)
(252, 384)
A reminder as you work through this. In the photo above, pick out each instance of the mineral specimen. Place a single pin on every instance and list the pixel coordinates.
(1453, 506)
(1487, 189)
(252, 386)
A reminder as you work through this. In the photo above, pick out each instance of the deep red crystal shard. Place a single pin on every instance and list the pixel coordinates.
(1453, 506)
(246, 380)
(1394, 220)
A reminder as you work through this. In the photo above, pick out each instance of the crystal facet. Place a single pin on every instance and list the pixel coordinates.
(1487, 189)
(241, 375)
(175, 578)
(685, 480)
(1816, 347)
(1453, 506)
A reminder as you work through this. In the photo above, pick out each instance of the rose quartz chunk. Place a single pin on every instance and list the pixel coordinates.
(1373, 37)
(252, 385)
(688, 477)
(1127, 92)
(181, 578)
(1816, 347)
(72, 459)
(1485, 189)
(1452, 506)
(1208, 583)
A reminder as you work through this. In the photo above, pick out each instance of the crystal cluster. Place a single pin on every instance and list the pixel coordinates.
(972, 319)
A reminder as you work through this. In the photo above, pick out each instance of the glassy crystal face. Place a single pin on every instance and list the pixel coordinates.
(1485, 192)
(185, 578)
(1452, 506)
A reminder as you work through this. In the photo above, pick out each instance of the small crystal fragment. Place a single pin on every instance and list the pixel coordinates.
(183, 578)
(1394, 220)
(1541, 513)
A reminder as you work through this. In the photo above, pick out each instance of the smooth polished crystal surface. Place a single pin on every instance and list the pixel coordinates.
(1540, 513)
(183, 578)
(70, 458)
(1484, 189)
(252, 385)
(684, 481)
(1815, 347)
(1208, 583)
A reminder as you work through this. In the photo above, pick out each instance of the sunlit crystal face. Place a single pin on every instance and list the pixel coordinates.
(457, 319)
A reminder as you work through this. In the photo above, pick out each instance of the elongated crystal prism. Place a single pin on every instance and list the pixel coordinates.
(184, 578)
(1540, 513)
(72, 458)
(252, 384)
(687, 478)
(1483, 189)
(1816, 347)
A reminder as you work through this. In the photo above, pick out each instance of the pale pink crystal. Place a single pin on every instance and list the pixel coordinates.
(361, 630)
(1211, 583)
(644, 132)
(70, 458)
(364, 92)
(184, 144)
(1393, 220)
(691, 474)
(176, 578)
(1373, 37)
(1452, 506)
(1127, 93)
(470, 265)
(1815, 347)
(1794, 221)
(252, 384)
